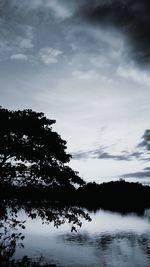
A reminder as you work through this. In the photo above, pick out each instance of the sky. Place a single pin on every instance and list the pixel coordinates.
(87, 65)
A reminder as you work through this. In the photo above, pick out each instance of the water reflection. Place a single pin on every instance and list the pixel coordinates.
(111, 239)
(11, 222)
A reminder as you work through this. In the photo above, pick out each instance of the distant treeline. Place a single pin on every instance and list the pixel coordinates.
(118, 195)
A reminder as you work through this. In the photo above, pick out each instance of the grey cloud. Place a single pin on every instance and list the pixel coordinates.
(140, 174)
(106, 155)
(49, 55)
(80, 155)
(103, 154)
(33, 9)
(14, 39)
(32, 28)
(19, 57)
(147, 168)
(146, 140)
(46, 56)
(61, 11)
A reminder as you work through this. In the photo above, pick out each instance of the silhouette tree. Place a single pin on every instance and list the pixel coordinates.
(31, 153)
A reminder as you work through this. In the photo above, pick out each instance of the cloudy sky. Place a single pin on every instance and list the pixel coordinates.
(87, 65)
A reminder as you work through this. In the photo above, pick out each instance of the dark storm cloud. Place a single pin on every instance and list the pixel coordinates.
(130, 17)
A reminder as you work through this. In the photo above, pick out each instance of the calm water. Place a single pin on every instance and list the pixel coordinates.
(111, 239)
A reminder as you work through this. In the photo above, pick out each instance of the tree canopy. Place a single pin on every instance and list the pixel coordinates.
(31, 152)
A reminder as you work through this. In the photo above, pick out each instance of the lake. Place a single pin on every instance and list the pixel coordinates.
(110, 239)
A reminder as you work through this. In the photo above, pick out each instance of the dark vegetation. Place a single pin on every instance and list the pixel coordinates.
(119, 195)
(31, 153)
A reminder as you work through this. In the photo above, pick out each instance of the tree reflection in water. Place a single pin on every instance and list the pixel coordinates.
(114, 249)
(11, 227)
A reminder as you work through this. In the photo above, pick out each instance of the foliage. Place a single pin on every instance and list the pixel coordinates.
(31, 153)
